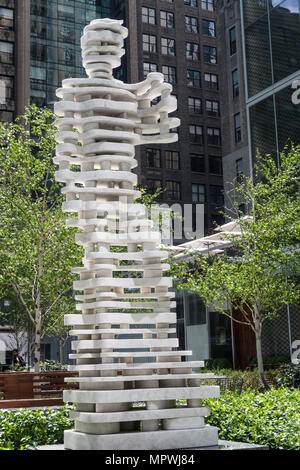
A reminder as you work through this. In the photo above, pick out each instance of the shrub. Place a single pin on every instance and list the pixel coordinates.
(270, 418)
(272, 361)
(52, 365)
(221, 363)
(289, 376)
(26, 429)
(243, 380)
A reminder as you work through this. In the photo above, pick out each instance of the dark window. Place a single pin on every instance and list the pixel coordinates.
(209, 28)
(149, 67)
(172, 160)
(169, 74)
(148, 15)
(198, 193)
(239, 168)
(192, 51)
(198, 163)
(167, 19)
(195, 105)
(191, 3)
(216, 195)
(194, 78)
(213, 136)
(45, 352)
(211, 81)
(173, 190)
(237, 128)
(210, 54)
(208, 5)
(232, 38)
(235, 84)
(153, 158)
(153, 185)
(196, 311)
(191, 24)
(196, 134)
(168, 46)
(212, 108)
(6, 52)
(6, 18)
(6, 89)
(215, 165)
(149, 43)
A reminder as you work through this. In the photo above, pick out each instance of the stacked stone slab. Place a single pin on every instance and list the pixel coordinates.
(126, 349)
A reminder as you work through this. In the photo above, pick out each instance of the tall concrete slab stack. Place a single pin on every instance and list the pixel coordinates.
(122, 292)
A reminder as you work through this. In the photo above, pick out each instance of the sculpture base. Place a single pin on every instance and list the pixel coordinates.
(222, 445)
(157, 440)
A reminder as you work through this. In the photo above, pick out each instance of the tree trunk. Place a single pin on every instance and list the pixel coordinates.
(61, 350)
(260, 363)
(37, 343)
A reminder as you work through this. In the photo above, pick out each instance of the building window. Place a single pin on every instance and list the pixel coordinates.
(196, 134)
(172, 160)
(211, 81)
(209, 28)
(237, 128)
(65, 12)
(153, 185)
(45, 351)
(194, 78)
(232, 39)
(210, 54)
(168, 46)
(167, 19)
(216, 195)
(235, 84)
(6, 52)
(198, 163)
(191, 24)
(191, 3)
(212, 108)
(198, 193)
(215, 165)
(169, 1)
(169, 74)
(213, 136)
(192, 51)
(6, 18)
(148, 15)
(38, 74)
(208, 5)
(149, 67)
(173, 190)
(66, 33)
(6, 89)
(195, 105)
(149, 43)
(239, 169)
(153, 158)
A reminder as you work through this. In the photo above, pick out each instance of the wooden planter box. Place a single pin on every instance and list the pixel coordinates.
(23, 389)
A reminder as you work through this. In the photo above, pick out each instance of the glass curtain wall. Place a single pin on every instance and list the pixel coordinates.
(56, 29)
(272, 49)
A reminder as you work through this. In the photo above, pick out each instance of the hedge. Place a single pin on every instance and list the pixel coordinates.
(271, 418)
(26, 428)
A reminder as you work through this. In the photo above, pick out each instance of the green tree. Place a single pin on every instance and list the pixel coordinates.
(258, 274)
(37, 250)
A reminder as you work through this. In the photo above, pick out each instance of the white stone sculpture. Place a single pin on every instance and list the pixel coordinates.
(101, 121)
